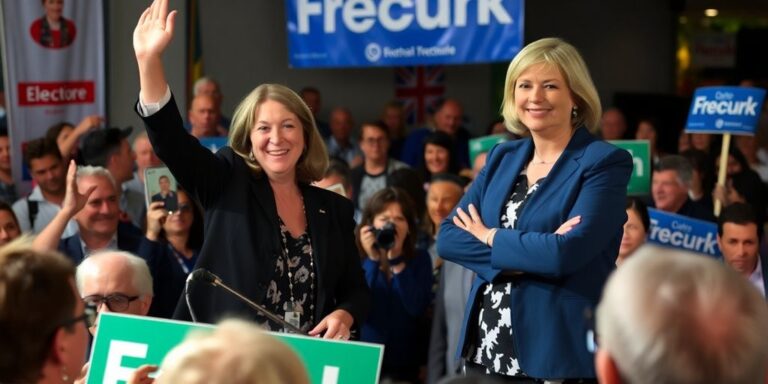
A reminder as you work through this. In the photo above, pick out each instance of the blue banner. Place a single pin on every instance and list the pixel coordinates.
(364, 33)
(683, 232)
(721, 110)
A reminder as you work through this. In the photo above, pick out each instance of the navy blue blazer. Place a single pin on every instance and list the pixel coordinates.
(562, 275)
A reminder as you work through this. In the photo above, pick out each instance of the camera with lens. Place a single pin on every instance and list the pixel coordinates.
(385, 236)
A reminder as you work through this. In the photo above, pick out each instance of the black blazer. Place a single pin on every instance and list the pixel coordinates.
(242, 233)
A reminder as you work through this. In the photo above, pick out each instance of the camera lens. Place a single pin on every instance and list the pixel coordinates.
(385, 236)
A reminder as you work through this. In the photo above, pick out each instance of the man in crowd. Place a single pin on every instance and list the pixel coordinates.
(145, 158)
(738, 235)
(393, 117)
(209, 87)
(669, 188)
(93, 202)
(115, 281)
(204, 117)
(7, 188)
(371, 176)
(109, 148)
(448, 117)
(48, 171)
(341, 144)
(613, 126)
(669, 316)
(312, 98)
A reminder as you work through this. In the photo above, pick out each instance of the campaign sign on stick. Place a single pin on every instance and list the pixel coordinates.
(683, 232)
(125, 342)
(364, 33)
(720, 110)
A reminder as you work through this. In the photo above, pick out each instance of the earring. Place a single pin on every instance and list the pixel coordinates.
(574, 112)
(64, 376)
(251, 157)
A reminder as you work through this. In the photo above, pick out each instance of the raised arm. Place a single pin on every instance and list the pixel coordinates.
(74, 201)
(152, 35)
(67, 145)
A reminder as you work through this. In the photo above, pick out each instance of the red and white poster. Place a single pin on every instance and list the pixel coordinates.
(54, 61)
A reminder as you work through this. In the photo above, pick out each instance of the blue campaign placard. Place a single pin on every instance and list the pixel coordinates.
(366, 33)
(721, 110)
(683, 232)
(213, 143)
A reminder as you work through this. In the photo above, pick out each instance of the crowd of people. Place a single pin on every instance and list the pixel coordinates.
(385, 233)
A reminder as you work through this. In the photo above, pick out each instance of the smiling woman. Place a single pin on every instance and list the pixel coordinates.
(285, 244)
(541, 224)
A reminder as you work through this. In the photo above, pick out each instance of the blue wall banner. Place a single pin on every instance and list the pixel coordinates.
(380, 33)
(722, 110)
(683, 232)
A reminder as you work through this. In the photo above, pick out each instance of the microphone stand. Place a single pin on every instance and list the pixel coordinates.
(215, 281)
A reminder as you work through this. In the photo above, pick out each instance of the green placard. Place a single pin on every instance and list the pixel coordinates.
(124, 342)
(640, 182)
(484, 144)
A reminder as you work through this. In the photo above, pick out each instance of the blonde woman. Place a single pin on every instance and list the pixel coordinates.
(541, 225)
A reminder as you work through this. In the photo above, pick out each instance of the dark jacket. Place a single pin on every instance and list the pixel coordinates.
(129, 238)
(242, 234)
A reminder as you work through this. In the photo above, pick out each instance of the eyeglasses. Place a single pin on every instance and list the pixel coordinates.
(116, 302)
(182, 208)
(88, 317)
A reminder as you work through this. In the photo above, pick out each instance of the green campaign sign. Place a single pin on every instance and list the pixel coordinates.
(640, 182)
(124, 342)
(484, 144)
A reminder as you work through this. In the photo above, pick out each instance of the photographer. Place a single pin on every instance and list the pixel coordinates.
(400, 278)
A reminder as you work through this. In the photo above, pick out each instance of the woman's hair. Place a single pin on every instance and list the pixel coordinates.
(6, 207)
(195, 239)
(236, 352)
(566, 58)
(313, 160)
(412, 183)
(443, 140)
(378, 203)
(36, 298)
(54, 131)
(641, 209)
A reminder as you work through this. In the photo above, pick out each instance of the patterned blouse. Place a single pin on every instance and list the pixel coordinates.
(495, 341)
(299, 296)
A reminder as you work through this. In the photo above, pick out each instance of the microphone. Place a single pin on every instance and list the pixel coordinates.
(203, 275)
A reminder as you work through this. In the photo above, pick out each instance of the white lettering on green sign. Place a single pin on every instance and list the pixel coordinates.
(114, 372)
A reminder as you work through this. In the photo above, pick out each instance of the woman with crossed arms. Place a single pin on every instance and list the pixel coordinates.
(541, 225)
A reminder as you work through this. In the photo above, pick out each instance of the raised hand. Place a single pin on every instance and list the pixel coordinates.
(88, 123)
(154, 30)
(74, 201)
(156, 216)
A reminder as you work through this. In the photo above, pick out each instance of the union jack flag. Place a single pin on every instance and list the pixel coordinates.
(419, 89)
